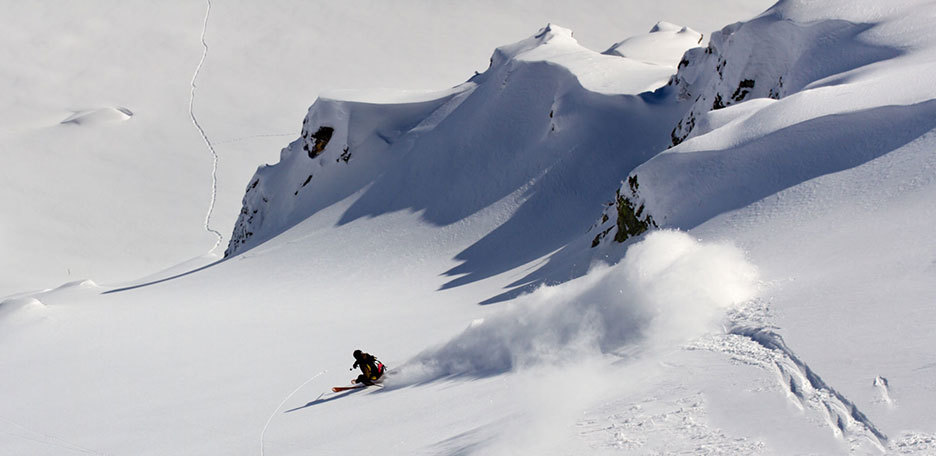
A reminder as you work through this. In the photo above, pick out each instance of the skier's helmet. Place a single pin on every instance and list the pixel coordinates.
(357, 354)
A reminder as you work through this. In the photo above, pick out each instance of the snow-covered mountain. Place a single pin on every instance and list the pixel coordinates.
(802, 74)
(542, 135)
(116, 198)
(682, 246)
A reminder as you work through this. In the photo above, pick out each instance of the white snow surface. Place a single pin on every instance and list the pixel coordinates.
(117, 200)
(782, 305)
(666, 43)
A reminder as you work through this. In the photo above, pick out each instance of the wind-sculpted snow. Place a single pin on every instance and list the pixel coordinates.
(334, 158)
(668, 289)
(664, 45)
(791, 95)
(770, 56)
(98, 116)
(686, 189)
(549, 130)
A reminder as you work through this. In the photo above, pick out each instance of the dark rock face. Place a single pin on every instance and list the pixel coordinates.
(631, 219)
(316, 144)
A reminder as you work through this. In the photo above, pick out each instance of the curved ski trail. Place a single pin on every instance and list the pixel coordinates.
(47, 439)
(749, 339)
(201, 131)
(278, 407)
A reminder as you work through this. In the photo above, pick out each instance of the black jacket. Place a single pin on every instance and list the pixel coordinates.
(370, 367)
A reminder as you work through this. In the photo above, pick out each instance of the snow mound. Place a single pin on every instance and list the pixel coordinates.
(86, 284)
(65, 293)
(664, 26)
(98, 116)
(9, 306)
(18, 313)
(664, 45)
(668, 289)
(648, 60)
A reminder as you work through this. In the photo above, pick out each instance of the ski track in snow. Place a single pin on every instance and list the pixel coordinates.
(662, 426)
(807, 389)
(750, 340)
(756, 343)
(278, 407)
(201, 131)
(49, 440)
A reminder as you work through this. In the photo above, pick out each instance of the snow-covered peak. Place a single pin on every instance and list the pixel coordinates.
(642, 63)
(795, 47)
(519, 117)
(764, 85)
(664, 45)
(664, 26)
(849, 10)
(550, 35)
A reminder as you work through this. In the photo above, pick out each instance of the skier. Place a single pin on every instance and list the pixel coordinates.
(371, 369)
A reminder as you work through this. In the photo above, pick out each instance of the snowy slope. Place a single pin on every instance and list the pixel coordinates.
(825, 177)
(98, 163)
(666, 43)
(728, 160)
(524, 128)
(115, 200)
(790, 316)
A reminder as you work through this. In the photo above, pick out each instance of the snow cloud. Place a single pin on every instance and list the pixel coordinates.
(668, 289)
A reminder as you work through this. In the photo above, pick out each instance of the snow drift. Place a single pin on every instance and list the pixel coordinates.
(668, 289)
(98, 116)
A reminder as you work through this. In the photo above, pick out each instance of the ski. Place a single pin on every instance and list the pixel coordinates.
(338, 389)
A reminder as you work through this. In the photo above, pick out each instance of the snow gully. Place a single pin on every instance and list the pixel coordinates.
(201, 131)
